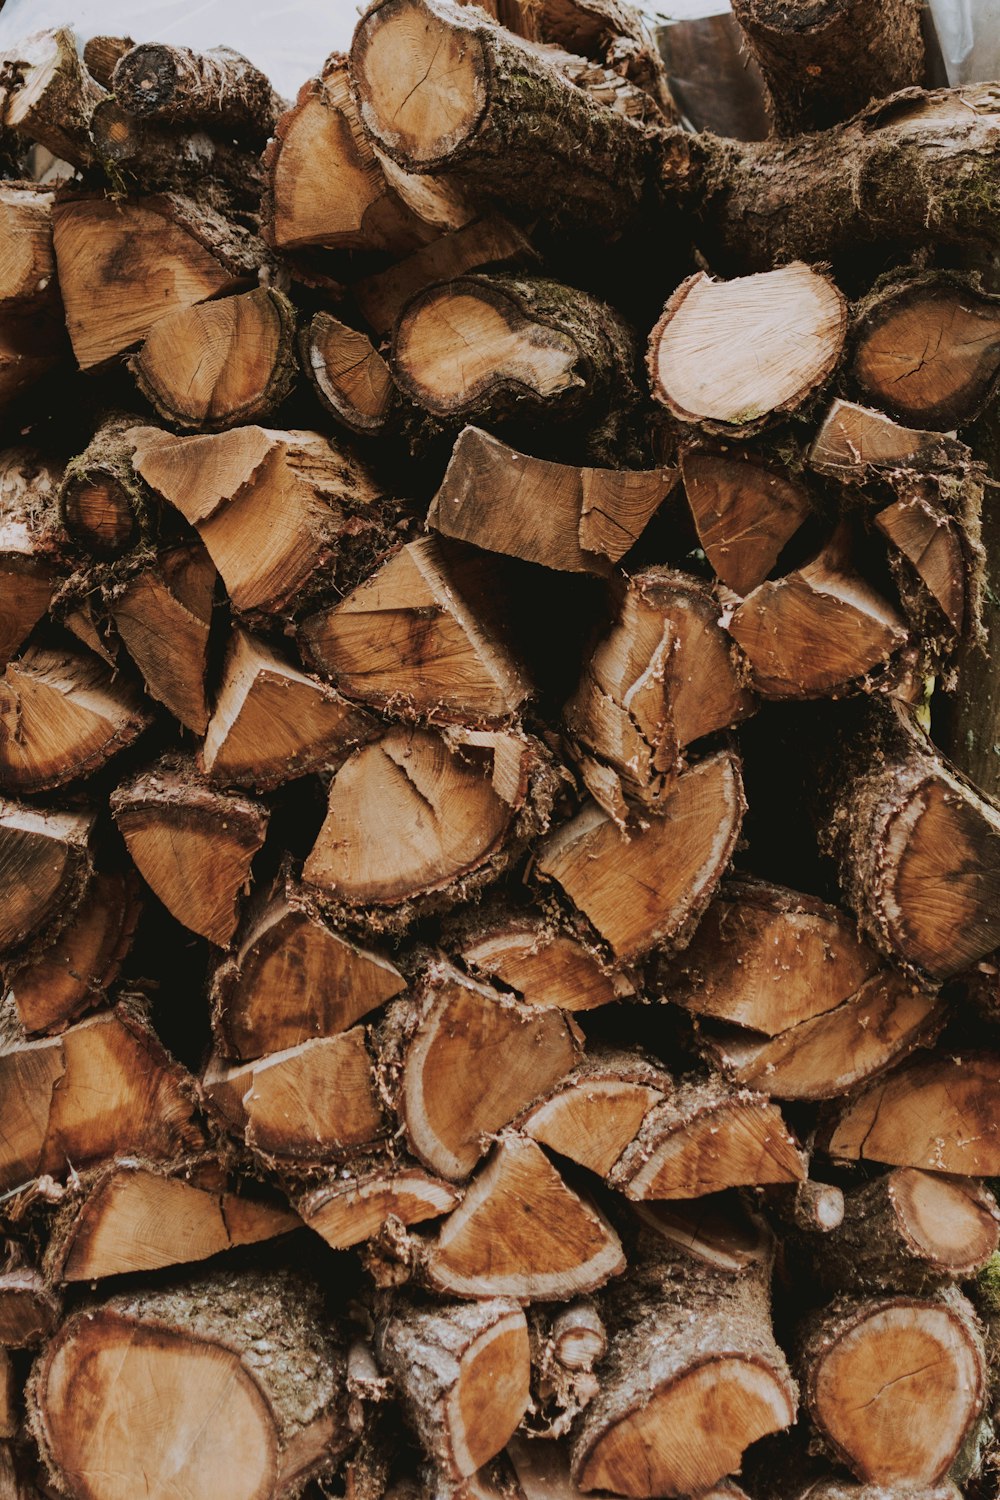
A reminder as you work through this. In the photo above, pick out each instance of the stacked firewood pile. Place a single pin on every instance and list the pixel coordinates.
(500, 994)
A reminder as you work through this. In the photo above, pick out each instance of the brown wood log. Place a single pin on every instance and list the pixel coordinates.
(417, 819)
(47, 95)
(918, 848)
(824, 62)
(284, 515)
(104, 1086)
(489, 240)
(72, 972)
(595, 1111)
(220, 89)
(819, 631)
(704, 1137)
(445, 90)
(663, 677)
(442, 1045)
(734, 357)
(927, 349)
(132, 1215)
(29, 1308)
(272, 723)
(349, 376)
(521, 1232)
(533, 351)
(45, 866)
(868, 1365)
(565, 1346)
(422, 638)
(144, 154)
(63, 716)
(355, 1207)
(158, 1362)
(937, 1113)
(31, 543)
(767, 958)
(124, 265)
(292, 976)
(931, 567)
(853, 442)
(910, 1231)
(192, 845)
(541, 959)
(694, 1376)
(574, 519)
(10, 1415)
(163, 617)
(219, 364)
(717, 1230)
(913, 169)
(829, 1053)
(303, 1107)
(744, 511)
(325, 185)
(462, 1371)
(32, 328)
(103, 503)
(649, 888)
(100, 53)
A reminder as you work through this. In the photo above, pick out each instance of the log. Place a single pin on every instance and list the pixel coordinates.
(144, 153)
(649, 889)
(45, 865)
(565, 1345)
(704, 1137)
(930, 561)
(574, 519)
(349, 376)
(595, 1111)
(220, 89)
(935, 1113)
(292, 976)
(745, 511)
(53, 984)
(272, 723)
(417, 818)
(29, 1309)
(10, 1416)
(104, 1086)
(163, 617)
(487, 241)
(158, 1361)
(31, 544)
(918, 848)
(664, 677)
(422, 638)
(47, 95)
(717, 1230)
(100, 53)
(828, 1054)
(103, 504)
(132, 1215)
(541, 960)
(735, 357)
(219, 364)
(854, 442)
(911, 1231)
(693, 1353)
(462, 1371)
(913, 169)
(927, 350)
(532, 352)
(532, 127)
(285, 516)
(62, 717)
(325, 186)
(356, 1207)
(443, 1043)
(192, 845)
(825, 62)
(868, 1364)
(302, 1107)
(521, 1232)
(767, 958)
(123, 266)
